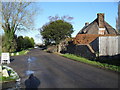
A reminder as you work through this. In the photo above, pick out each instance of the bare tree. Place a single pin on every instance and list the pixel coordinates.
(56, 17)
(15, 16)
(118, 19)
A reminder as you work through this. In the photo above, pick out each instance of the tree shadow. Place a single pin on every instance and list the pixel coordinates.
(32, 83)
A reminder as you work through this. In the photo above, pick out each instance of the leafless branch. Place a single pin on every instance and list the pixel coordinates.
(15, 14)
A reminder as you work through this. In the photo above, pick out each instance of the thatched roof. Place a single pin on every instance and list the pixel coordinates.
(93, 28)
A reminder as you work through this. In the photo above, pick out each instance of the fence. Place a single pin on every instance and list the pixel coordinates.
(109, 45)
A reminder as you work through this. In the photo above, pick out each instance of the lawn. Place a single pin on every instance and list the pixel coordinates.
(95, 63)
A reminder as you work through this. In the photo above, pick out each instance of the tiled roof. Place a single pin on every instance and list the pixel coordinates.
(84, 39)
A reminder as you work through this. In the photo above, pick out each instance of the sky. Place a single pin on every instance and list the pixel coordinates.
(81, 12)
(60, 0)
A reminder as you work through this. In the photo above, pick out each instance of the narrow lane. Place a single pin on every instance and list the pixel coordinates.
(54, 71)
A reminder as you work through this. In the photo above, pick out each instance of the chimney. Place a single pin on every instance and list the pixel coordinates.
(100, 17)
(87, 23)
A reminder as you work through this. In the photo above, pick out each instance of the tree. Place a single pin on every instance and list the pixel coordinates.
(0, 43)
(28, 42)
(32, 42)
(56, 31)
(24, 43)
(20, 43)
(56, 17)
(118, 19)
(9, 43)
(15, 16)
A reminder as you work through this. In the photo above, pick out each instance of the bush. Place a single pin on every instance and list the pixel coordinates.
(24, 43)
(9, 43)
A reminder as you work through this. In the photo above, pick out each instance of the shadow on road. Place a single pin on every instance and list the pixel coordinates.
(12, 59)
(32, 83)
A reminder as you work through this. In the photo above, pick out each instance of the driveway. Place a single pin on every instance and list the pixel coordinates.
(54, 71)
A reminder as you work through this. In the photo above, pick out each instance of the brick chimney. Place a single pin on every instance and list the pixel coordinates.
(100, 17)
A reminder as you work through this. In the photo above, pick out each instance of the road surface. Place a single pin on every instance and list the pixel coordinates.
(54, 71)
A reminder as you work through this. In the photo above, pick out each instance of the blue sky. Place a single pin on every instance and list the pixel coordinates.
(81, 11)
(60, 0)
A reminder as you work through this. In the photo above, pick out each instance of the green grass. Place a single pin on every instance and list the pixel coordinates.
(23, 52)
(0, 53)
(95, 63)
(13, 75)
(8, 79)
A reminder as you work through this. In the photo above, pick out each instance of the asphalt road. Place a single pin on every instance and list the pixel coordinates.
(54, 71)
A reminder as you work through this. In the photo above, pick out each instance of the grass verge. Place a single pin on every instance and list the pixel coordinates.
(0, 53)
(95, 63)
(23, 52)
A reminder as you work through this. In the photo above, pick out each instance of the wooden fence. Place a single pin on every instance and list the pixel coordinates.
(109, 45)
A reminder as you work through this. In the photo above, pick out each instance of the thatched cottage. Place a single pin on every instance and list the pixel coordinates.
(97, 38)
